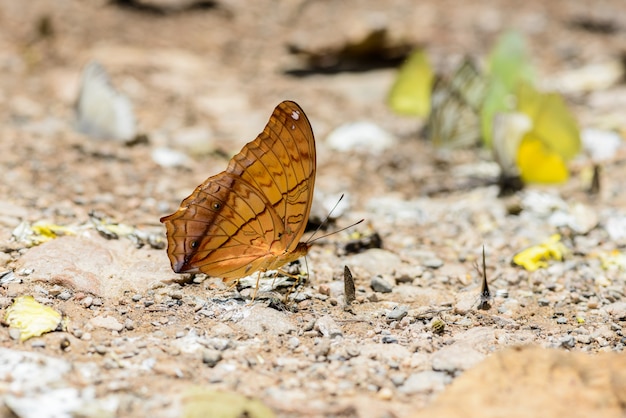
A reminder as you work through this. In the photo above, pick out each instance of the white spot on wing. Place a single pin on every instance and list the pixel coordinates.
(293, 127)
(295, 115)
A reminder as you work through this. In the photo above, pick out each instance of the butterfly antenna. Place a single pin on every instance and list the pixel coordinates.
(325, 221)
(310, 240)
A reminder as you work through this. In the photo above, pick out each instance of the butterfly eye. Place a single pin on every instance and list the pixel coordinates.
(193, 244)
(216, 205)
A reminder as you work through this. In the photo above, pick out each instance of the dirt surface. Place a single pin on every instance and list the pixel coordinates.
(203, 79)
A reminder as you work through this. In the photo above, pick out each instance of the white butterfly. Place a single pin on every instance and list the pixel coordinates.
(455, 105)
(102, 112)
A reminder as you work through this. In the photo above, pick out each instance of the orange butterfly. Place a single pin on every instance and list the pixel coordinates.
(251, 216)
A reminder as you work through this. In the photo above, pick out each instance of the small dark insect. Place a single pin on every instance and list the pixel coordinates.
(363, 243)
(348, 286)
(438, 326)
(594, 189)
(485, 294)
(64, 344)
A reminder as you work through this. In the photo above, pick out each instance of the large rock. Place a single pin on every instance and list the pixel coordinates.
(92, 264)
(535, 382)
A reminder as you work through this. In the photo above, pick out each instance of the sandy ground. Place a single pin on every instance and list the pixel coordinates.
(203, 79)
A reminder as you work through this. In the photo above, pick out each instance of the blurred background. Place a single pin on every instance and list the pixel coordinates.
(203, 76)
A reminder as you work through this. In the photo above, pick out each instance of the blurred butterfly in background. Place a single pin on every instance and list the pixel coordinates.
(101, 111)
(410, 92)
(508, 130)
(454, 120)
(536, 141)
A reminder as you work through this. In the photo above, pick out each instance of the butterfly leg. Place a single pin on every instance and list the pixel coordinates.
(233, 285)
(297, 279)
(256, 288)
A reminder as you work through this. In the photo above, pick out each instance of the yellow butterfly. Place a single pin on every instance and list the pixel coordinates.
(410, 93)
(536, 142)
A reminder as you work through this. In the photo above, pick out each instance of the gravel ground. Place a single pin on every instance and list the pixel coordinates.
(140, 340)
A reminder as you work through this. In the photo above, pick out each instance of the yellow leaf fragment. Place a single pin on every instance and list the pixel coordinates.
(31, 317)
(613, 260)
(50, 231)
(535, 257)
(39, 232)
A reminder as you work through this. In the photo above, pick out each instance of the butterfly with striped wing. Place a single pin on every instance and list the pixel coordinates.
(251, 216)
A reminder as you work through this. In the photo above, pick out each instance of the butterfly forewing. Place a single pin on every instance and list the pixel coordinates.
(281, 164)
(251, 216)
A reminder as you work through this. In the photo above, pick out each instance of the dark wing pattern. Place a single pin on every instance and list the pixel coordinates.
(455, 108)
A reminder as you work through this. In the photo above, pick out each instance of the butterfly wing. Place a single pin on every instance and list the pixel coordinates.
(102, 112)
(455, 104)
(469, 84)
(281, 163)
(246, 218)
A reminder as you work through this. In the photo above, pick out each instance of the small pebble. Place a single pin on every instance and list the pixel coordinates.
(106, 322)
(353, 350)
(38, 343)
(176, 295)
(129, 324)
(327, 326)
(101, 349)
(211, 357)
(385, 394)
(293, 343)
(220, 344)
(389, 339)
(360, 137)
(567, 341)
(14, 333)
(87, 302)
(397, 313)
(55, 290)
(561, 320)
(136, 298)
(322, 348)
(167, 157)
(381, 285)
(397, 379)
(433, 263)
(324, 290)
(427, 381)
(65, 295)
